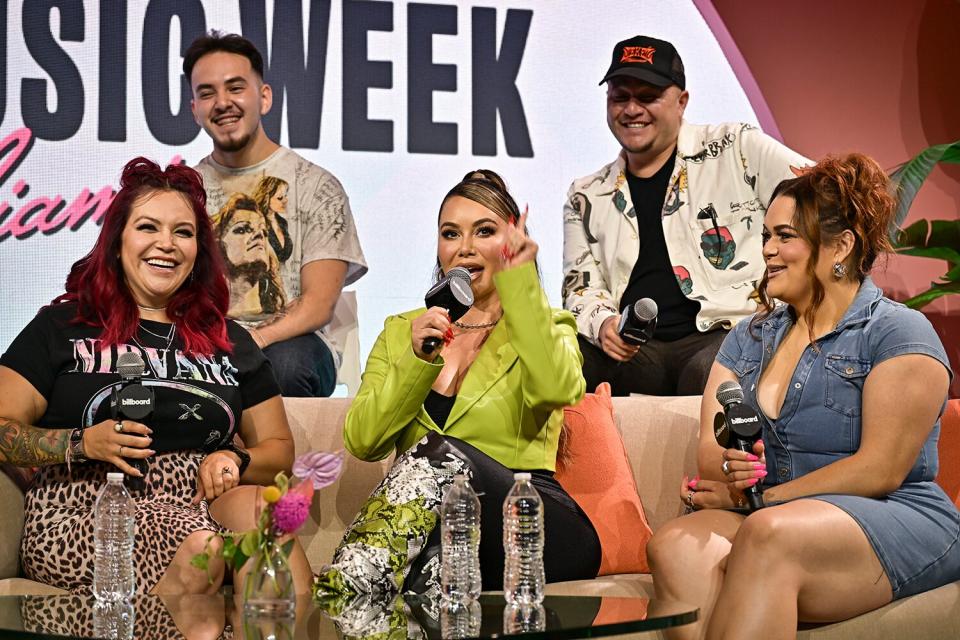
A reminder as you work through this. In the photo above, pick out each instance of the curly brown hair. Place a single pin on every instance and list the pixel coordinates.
(837, 194)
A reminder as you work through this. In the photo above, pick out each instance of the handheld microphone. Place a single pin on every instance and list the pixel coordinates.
(740, 428)
(638, 322)
(132, 401)
(454, 294)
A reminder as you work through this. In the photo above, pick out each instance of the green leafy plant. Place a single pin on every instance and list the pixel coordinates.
(938, 239)
(285, 509)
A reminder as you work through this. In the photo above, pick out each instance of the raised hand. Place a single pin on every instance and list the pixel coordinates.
(517, 246)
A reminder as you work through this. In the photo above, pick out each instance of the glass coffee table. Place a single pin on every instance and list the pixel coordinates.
(147, 617)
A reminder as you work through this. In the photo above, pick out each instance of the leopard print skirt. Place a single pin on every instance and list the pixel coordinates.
(147, 616)
(57, 545)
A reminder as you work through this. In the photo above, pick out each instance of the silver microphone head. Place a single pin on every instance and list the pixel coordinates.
(729, 392)
(130, 365)
(459, 278)
(645, 309)
(459, 272)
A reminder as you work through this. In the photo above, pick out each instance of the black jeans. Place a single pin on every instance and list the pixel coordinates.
(677, 368)
(304, 366)
(571, 549)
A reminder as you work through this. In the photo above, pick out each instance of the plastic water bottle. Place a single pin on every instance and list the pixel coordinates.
(460, 619)
(113, 531)
(524, 618)
(523, 575)
(460, 542)
(113, 620)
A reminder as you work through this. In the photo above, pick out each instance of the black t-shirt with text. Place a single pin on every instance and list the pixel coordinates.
(198, 399)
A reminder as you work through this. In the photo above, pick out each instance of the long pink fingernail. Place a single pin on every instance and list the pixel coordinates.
(760, 474)
(759, 465)
(752, 458)
(752, 481)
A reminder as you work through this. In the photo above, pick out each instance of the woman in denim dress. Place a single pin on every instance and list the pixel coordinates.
(849, 386)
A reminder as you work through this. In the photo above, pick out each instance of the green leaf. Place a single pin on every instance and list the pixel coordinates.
(913, 236)
(931, 294)
(939, 253)
(286, 548)
(250, 542)
(944, 233)
(239, 559)
(200, 561)
(229, 551)
(909, 177)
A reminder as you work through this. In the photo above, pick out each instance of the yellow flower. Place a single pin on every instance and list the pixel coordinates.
(271, 495)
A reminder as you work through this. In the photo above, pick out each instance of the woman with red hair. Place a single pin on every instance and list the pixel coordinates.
(153, 285)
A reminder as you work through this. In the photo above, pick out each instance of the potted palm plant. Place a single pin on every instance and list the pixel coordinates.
(938, 239)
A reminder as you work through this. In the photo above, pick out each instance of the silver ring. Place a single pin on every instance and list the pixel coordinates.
(726, 467)
(118, 427)
(226, 471)
(689, 500)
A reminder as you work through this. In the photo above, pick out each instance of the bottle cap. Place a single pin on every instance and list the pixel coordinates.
(115, 476)
(521, 475)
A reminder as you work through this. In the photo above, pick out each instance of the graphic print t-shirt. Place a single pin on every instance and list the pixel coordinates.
(271, 219)
(199, 399)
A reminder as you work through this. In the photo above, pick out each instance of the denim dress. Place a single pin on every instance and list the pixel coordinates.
(913, 530)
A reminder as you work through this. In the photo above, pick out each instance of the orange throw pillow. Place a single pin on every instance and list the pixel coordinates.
(593, 468)
(949, 446)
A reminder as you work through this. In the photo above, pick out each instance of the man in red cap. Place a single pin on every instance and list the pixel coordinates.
(680, 197)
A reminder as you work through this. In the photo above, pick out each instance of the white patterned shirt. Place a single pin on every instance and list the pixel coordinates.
(712, 218)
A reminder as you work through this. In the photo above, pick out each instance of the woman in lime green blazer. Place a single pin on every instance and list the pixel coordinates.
(488, 403)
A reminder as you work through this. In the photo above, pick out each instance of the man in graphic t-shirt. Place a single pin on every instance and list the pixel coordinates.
(284, 224)
(676, 218)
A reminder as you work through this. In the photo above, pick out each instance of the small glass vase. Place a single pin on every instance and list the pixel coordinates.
(268, 590)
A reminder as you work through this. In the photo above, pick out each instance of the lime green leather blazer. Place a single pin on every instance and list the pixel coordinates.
(510, 403)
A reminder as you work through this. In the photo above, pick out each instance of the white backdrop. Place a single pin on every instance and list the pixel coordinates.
(394, 195)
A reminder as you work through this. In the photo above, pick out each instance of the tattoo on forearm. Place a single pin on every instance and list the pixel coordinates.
(25, 445)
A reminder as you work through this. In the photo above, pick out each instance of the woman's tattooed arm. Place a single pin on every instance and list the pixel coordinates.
(28, 446)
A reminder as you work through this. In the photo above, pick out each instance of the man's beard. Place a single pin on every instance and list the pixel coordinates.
(232, 144)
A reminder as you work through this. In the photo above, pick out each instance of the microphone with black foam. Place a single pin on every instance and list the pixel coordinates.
(638, 322)
(132, 401)
(739, 428)
(454, 294)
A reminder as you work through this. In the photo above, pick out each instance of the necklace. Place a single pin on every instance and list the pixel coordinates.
(169, 337)
(479, 325)
(145, 308)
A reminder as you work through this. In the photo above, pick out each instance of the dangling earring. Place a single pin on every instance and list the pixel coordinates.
(839, 270)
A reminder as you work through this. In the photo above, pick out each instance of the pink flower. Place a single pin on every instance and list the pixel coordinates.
(290, 512)
(319, 467)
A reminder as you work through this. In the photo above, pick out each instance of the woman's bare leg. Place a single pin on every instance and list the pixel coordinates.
(198, 617)
(687, 557)
(182, 578)
(806, 559)
(237, 510)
